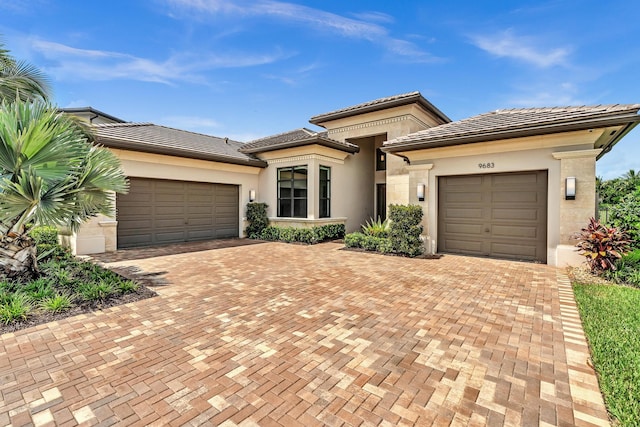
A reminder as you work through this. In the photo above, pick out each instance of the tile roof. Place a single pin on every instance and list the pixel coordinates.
(150, 138)
(296, 138)
(91, 110)
(511, 123)
(380, 104)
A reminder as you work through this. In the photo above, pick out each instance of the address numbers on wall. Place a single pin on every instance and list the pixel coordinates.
(487, 165)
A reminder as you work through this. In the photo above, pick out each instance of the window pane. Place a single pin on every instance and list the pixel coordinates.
(324, 173)
(300, 172)
(300, 183)
(284, 207)
(284, 174)
(300, 193)
(300, 208)
(324, 208)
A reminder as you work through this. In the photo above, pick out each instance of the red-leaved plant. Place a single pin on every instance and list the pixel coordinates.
(601, 245)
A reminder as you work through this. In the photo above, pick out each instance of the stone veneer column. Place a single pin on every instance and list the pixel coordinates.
(574, 214)
(419, 174)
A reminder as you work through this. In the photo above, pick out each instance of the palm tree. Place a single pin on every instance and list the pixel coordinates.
(19, 79)
(50, 174)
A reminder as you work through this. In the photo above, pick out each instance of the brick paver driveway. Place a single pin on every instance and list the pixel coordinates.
(277, 334)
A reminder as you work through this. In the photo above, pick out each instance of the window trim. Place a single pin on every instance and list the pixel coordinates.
(292, 198)
(327, 199)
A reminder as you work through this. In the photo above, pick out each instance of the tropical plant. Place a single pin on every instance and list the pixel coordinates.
(16, 307)
(376, 228)
(50, 174)
(57, 303)
(601, 245)
(21, 80)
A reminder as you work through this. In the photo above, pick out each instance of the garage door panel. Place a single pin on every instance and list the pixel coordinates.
(513, 231)
(514, 197)
(465, 246)
(464, 180)
(462, 228)
(512, 250)
(160, 211)
(458, 213)
(463, 196)
(506, 217)
(514, 214)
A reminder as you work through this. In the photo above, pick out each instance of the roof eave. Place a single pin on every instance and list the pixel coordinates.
(301, 143)
(547, 129)
(422, 101)
(146, 148)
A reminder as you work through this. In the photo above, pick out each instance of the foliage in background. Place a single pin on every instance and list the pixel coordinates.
(627, 270)
(257, 219)
(405, 229)
(310, 236)
(611, 322)
(601, 245)
(625, 215)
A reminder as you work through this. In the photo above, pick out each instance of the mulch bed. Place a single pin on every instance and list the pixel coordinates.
(144, 281)
(423, 256)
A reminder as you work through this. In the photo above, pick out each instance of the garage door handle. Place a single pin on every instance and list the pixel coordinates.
(486, 230)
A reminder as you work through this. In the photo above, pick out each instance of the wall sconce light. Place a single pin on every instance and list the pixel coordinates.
(420, 191)
(570, 188)
(252, 195)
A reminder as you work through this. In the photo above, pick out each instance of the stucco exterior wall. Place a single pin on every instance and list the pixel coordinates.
(100, 234)
(312, 157)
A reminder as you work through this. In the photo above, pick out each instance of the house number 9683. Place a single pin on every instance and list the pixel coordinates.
(488, 165)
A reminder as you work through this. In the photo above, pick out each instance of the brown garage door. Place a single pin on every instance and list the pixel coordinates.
(496, 215)
(161, 211)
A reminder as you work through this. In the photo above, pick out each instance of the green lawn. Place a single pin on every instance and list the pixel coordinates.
(611, 319)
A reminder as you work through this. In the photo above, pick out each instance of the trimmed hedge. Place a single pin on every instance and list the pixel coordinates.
(47, 246)
(403, 235)
(405, 229)
(257, 218)
(309, 236)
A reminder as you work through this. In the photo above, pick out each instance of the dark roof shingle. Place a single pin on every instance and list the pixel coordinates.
(296, 138)
(150, 138)
(511, 123)
(381, 104)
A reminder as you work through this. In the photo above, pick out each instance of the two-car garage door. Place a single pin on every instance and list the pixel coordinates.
(157, 211)
(498, 215)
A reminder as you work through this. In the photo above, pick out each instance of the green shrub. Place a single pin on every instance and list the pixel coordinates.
(47, 251)
(330, 232)
(373, 243)
(625, 216)
(38, 289)
(405, 229)
(15, 308)
(376, 228)
(57, 303)
(306, 235)
(127, 286)
(95, 291)
(270, 233)
(601, 245)
(257, 219)
(627, 269)
(44, 234)
(354, 240)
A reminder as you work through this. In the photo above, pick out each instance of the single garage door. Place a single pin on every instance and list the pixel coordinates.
(157, 211)
(495, 215)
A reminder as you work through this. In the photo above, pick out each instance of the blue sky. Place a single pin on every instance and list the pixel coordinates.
(247, 69)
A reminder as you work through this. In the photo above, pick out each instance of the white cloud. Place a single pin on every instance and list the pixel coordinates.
(526, 49)
(72, 63)
(367, 26)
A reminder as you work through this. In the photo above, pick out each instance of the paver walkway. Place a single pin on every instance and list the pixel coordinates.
(277, 334)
